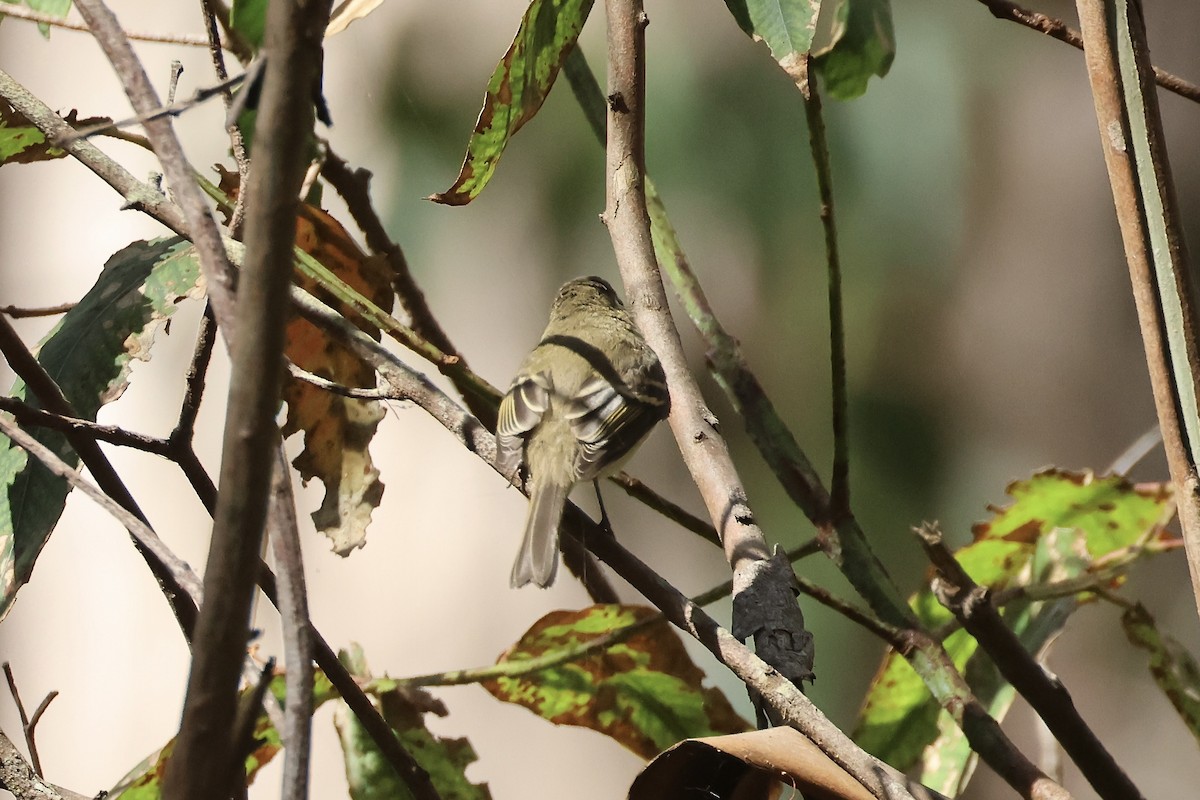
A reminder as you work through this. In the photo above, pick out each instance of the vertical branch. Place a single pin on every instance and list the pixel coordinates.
(704, 449)
(297, 647)
(1135, 153)
(203, 758)
(839, 493)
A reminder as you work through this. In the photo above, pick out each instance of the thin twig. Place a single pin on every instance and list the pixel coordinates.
(354, 186)
(181, 575)
(113, 434)
(28, 724)
(185, 428)
(21, 313)
(672, 511)
(1137, 450)
(301, 374)
(196, 221)
(973, 606)
(50, 396)
(528, 666)
(234, 42)
(25, 13)
(839, 493)
(171, 109)
(236, 140)
(1057, 29)
(284, 535)
(17, 777)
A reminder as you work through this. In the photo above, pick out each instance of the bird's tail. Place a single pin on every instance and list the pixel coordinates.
(537, 560)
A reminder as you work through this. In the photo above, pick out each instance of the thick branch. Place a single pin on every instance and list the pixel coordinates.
(696, 431)
(1135, 154)
(203, 759)
(23, 782)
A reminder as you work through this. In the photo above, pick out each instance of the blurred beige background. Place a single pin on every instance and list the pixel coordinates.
(991, 332)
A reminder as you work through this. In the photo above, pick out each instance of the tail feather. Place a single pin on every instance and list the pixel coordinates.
(537, 560)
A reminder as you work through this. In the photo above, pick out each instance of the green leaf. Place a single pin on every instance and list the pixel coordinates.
(22, 143)
(55, 8)
(643, 691)
(88, 354)
(144, 782)
(1174, 669)
(19, 136)
(369, 775)
(517, 89)
(786, 26)
(1058, 525)
(249, 18)
(862, 44)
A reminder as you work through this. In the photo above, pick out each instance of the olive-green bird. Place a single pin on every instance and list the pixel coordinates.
(583, 400)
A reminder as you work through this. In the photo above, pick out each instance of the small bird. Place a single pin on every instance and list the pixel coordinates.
(582, 401)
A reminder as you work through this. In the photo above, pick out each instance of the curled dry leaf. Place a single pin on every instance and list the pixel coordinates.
(777, 762)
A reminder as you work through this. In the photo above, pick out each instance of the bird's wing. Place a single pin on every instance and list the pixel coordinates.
(520, 411)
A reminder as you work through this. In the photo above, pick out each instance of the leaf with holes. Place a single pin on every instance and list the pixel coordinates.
(88, 354)
(642, 689)
(337, 430)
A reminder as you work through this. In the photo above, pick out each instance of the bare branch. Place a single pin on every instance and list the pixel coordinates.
(113, 434)
(22, 12)
(972, 605)
(197, 222)
(1164, 291)
(24, 783)
(1057, 29)
(355, 188)
(839, 495)
(293, 611)
(285, 118)
(20, 313)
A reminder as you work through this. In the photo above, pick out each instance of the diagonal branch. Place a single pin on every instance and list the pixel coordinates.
(196, 222)
(204, 754)
(973, 606)
(50, 396)
(1057, 29)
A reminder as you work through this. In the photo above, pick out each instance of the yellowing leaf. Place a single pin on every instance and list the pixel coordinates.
(643, 690)
(337, 429)
(517, 89)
